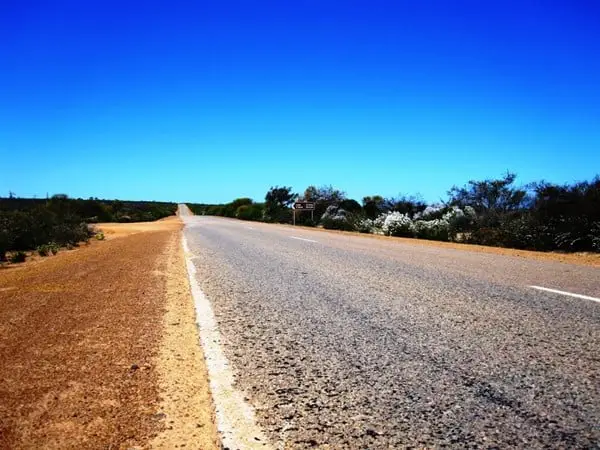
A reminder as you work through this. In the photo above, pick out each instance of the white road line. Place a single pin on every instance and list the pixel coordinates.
(236, 420)
(250, 228)
(570, 294)
(302, 239)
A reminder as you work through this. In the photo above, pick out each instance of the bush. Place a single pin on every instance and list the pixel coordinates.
(43, 250)
(99, 236)
(30, 224)
(520, 231)
(305, 220)
(595, 231)
(431, 212)
(54, 247)
(336, 218)
(436, 229)
(398, 224)
(574, 234)
(351, 206)
(6, 237)
(18, 257)
(254, 212)
(71, 234)
(364, 225)
(495, 212)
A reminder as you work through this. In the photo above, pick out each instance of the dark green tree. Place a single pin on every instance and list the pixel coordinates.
(491, 199)
(351, 206)
(373, 206)
(277, 203)
(324, 197)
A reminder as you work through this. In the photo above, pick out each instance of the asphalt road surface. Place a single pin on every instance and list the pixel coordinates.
(357, 342)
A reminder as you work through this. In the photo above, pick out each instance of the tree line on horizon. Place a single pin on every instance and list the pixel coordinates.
(539, 216)
(39, 224)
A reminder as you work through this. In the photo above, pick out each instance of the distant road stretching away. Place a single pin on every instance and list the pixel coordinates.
(361, 342)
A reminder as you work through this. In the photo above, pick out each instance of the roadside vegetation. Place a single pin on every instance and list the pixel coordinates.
(495, 212)
(46, 225)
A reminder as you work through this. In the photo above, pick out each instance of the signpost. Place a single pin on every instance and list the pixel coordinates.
(304, 206)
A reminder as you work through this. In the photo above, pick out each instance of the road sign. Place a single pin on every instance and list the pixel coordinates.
(304, 205)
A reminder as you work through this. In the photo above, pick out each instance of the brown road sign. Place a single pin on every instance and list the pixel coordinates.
(304, 205)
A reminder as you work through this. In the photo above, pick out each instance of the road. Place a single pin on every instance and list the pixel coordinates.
(359, 342)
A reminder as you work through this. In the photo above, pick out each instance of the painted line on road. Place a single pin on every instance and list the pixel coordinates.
(302, 239)
(570, 294)
(250, 228)
(236, 420)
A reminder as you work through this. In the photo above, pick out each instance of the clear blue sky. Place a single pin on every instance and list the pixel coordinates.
(207, 101)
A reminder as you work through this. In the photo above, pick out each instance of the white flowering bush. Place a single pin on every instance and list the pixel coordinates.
(436, 229)
(431, 212)
(378, 223)
(398, 224)
(453, 213)
(470, 212)
(436, 222)
(365, 226)
(459, 221)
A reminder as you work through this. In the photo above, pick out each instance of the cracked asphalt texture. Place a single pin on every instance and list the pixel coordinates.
(354, 342)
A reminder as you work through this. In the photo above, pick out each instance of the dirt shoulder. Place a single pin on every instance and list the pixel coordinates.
(87, 354)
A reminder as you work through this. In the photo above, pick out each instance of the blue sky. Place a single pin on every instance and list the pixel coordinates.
(207, 101)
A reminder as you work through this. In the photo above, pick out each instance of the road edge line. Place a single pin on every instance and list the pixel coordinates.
(235, 418)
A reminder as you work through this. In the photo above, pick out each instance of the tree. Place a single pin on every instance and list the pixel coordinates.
(351, 206)
(373, 206)
(324, 197)
(277, 203)
(230, 209)
(569, 213)
(250, 212)
(405, 205)
(490, 198)
(6, 234)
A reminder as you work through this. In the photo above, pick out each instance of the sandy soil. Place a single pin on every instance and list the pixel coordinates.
(186, 398)
(117, 230)
(84, 352)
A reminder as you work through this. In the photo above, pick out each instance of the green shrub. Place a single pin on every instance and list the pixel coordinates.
(43, 250)
(364, 225)
(6, 237)
(99, 236)
(215, 210)
(351, 206)
(250, 212)
(336, 218)
(305, 221)
(434, 230)
(30, 224)
(71, 233)
(18, 257)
